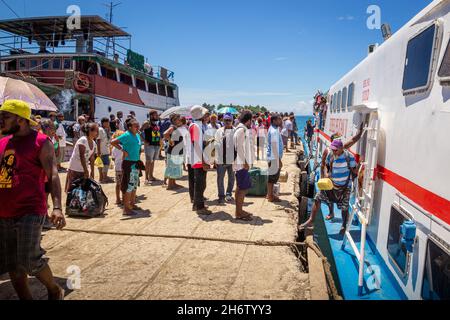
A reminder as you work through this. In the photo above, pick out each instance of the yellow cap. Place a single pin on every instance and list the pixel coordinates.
(19, 108)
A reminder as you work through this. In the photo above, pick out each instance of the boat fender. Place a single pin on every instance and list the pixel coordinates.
(408, 232)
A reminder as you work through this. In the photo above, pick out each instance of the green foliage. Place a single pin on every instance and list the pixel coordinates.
(254, 109)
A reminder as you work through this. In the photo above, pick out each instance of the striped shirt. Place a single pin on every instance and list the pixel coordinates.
(340, 169)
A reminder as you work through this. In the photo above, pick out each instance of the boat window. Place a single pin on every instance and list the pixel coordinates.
(436, 282)
(124, 78)
(170, 92)
(67, 64)
(140, 84)
(334, 102)
(344, 100)
(152, 88)
(351, 94)
(23, 64)
(418, 62)
(339, 100)
(45, 64)
(33, 64)
(56, 64)
(162, 89)
(444, 70)
(396, 249)
(331, 104)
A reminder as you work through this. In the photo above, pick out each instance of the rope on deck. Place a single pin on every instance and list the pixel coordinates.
(261, 243)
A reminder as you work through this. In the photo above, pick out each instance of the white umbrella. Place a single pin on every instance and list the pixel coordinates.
(182, 111)
(21, 90)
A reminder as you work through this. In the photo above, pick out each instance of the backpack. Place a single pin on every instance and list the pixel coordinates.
(86, 199)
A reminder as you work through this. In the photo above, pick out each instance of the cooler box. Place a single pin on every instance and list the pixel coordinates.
(259, 180)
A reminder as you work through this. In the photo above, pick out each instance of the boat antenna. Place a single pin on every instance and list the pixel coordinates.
(111, 7)
(9, 7)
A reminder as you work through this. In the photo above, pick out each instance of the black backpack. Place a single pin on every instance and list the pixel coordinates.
(86, 199)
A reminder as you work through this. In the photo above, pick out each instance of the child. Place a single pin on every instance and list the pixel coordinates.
(117, 156)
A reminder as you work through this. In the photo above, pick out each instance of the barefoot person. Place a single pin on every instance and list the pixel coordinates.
(26, 159)
(243, 162)
(130, 145)
(342, 165)
(328, 151)
(274, 156)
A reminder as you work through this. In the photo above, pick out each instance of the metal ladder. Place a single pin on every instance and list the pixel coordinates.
(364, 202)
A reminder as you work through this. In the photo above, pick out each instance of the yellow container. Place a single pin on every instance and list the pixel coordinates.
(325, 185)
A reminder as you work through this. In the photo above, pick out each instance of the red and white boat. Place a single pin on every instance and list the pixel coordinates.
(89, 70)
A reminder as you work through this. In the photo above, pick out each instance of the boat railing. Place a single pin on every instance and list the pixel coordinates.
(112, 49)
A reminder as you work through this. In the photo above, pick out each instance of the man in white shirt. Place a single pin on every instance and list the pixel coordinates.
(243, 163)
(62, 136)
(103, 142)
(120, 121)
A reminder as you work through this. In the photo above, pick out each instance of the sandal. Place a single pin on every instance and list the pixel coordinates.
(329, 218)
(245, 218)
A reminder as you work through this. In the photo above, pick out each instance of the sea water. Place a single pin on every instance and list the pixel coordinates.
(301, 123)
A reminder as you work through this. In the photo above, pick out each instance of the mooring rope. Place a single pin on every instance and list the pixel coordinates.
(262, 243)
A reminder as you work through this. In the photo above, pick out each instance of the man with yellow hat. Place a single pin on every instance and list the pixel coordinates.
(27, 161)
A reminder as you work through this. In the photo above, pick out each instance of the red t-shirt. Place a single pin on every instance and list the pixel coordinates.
(22, 177)
(195, 137)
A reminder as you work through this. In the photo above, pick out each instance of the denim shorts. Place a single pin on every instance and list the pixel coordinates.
(151, 153)
(20, 245)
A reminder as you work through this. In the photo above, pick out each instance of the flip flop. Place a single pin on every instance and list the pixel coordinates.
(245, 218)
(329, 218)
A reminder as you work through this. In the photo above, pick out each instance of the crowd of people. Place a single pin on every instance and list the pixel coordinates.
(34, 151)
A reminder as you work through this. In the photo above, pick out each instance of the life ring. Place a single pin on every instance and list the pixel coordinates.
(82, 83)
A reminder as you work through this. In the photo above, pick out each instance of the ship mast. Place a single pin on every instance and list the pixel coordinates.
(111, 7)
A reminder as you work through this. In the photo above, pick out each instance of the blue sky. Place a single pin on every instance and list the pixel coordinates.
(275, 53)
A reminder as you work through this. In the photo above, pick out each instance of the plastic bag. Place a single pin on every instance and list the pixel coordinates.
(99, 163)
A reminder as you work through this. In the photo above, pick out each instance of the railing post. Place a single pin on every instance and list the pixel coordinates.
(362, 257)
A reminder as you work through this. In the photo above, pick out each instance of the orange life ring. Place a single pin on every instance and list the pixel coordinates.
(82, 83)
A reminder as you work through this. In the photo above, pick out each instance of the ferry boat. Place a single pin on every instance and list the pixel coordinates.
(87, 70)
(397, 242)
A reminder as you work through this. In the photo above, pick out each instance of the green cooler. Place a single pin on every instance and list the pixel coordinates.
(259, 180)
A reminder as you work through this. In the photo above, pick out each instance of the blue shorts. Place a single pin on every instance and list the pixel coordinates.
(243, 180)
(106, 160)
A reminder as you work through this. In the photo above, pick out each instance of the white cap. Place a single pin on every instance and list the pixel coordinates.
(198, 112)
